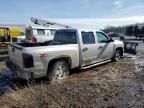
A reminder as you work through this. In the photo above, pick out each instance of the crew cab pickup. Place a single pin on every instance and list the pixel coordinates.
(70, 48)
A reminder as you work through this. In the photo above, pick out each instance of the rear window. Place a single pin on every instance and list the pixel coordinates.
(68, 37)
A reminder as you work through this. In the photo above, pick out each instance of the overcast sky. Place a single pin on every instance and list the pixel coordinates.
(78, 13)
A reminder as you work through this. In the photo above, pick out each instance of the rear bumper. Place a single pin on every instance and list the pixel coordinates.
(19, 71)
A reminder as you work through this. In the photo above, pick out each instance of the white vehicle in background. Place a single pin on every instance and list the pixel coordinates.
(39, 34)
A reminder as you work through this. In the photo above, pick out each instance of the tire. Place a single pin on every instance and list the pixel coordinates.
(117, 55)
(58, 70)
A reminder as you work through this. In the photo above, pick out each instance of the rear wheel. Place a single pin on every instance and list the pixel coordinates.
(58, 70)
(117, 55)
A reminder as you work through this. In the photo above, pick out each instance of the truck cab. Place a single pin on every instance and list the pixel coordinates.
(96, 46)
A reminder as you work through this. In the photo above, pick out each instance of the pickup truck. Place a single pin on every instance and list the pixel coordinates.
(70, 48)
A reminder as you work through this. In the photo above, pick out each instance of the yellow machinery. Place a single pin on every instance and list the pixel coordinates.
(8, 35)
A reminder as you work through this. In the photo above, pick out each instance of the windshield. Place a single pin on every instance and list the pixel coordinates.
(68, 37)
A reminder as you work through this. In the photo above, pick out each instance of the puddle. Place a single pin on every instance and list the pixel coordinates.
(129, 56)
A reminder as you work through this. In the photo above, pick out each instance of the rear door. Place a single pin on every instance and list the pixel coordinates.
(88, 48)
(106, 49)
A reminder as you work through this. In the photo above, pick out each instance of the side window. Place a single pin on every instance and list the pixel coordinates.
(40, 32)
(88, 37)
(47, 32)
(102, 38)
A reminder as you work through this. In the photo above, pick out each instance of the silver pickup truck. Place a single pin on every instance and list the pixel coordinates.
(70, 48)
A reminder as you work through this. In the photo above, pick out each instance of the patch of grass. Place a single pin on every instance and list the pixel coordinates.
(85, 89)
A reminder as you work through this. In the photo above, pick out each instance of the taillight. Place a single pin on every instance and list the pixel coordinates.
(34, 40)
(27, 60)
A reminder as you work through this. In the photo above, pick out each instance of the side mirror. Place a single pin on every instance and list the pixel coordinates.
(110, 40)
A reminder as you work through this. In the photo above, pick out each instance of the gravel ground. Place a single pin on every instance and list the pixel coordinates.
(112, 85)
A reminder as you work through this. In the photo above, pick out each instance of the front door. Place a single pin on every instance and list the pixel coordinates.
(106, 48)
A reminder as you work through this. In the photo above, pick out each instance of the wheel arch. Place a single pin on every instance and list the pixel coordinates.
(121, 49)
(60, 58)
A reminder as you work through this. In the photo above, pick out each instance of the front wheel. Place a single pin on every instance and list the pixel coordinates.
(59, 70)
(117, 55)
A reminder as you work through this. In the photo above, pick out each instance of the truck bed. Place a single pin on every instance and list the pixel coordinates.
(40, 44)
(33, 44)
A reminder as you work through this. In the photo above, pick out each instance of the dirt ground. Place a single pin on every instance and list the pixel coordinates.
(112, 85)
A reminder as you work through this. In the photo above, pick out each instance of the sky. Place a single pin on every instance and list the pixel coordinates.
(76, 13)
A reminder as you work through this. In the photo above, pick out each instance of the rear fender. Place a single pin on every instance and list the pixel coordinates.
(63, 57)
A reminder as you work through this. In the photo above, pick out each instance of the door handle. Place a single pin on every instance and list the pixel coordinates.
(100, 47)
(85, 49)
